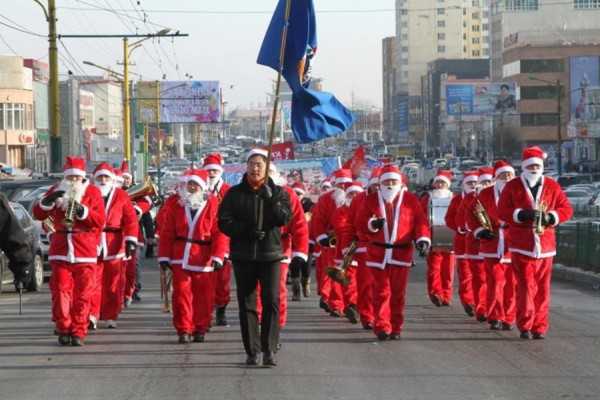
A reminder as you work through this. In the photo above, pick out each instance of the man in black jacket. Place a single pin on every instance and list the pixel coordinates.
(252, 214)
(13, 241)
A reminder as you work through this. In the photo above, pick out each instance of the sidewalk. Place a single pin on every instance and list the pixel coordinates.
(577, 275)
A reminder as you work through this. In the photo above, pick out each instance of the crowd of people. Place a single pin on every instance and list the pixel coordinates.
(361, 237)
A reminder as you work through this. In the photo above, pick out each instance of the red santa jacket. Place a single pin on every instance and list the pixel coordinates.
(425, 200)
(523, 239)
(490, 248)
(142, 206)
(357, 204)
(161, 214)
(471, 243)
(121, 225)
(343, 226)
(405, 223)
(79, 244)
(452, 223)
(219, 191)
(294, 236)
(322, 218)
(192, 242)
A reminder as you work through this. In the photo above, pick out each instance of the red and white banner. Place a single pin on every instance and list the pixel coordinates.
(283, 151)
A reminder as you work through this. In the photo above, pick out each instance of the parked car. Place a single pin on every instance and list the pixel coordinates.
(30, 228)
(570, 179)
(578, 198)
(15, 189)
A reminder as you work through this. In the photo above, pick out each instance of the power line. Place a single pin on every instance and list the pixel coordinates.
(112, 11)
(8, 45)
(22, 30)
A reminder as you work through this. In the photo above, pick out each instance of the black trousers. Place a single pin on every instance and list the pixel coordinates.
(247, 275)
(303, 271)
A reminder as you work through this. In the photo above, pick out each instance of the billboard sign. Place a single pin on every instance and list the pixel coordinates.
(585, 97)
(188, 102)
(480, 98)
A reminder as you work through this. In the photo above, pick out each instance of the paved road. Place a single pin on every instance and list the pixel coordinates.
(443, 355)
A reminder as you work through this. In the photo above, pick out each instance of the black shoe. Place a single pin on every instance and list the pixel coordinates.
(64, 340)
(495, 325)
(252, 359)
(435, 300)
(469, 310)
(335, 314)
(269, 359)
(481, 318)
(324, 305)
(367, 326)
(221, 319)
(306, 287)
(136, 297)
(395, 336)
(506, 326)
(525, 335)
(296, 290)
(538, 336)
(382, 336)
(445, 303)
(352, 314)
(184, 338)
(76, 341)
(198, 338)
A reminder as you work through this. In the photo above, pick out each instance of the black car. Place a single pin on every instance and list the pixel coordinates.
(15, 189)
(30, 228)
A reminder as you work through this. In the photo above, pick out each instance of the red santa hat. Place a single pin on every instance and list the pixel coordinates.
(184, 176)
(486, 174)
(355, 187)
(375, 174)
(125, 169)
(198, 176)
(444, 175)
(74, 166)
(326, 183)
(104, 169)
(391, 172)
(502, 166)
(299, 188)
(213, 161)
(342, 176)
(257, 152)
(470, 176)
(533, 155)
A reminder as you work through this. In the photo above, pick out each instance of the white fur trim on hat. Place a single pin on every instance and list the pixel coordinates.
(343, 180)
(196, 179)
(470, 178)
(74, 172)
(531, 161)
(105, 172)
(373, 181)
(257, 152)
(485, 177)
(354, 188)
(390, 175)
(326, 183)
(442, 178)
(126, 174)
(504, 169)
(217, 167)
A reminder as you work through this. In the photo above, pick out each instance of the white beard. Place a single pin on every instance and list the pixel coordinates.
(500, 185)
(73, 190)
(214, 182)
(468, 190)
(195, 200)
(389, 193)
(441, 193)
(339, 196)
(532, 178)
(105, 189)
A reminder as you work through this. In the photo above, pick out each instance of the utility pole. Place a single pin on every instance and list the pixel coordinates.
(126, 105)
(559, 135)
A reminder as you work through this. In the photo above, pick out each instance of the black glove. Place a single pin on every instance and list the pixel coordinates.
(486, 234)
(22, 278)
(548, 219)
(258, 235)
(52, 197)
(216, 265)
(527, 215)
(165, 265)
(79, 209)
(130, 248)
(377, 224)
(422, 248)
(297, 263)
(311, 248)
(265, 192)
(324, 242)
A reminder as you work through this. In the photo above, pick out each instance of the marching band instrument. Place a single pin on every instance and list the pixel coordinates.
(482, 217)
(69, 219)
(332, 239)
(147, 188)
(339, 274)
(539, 218)
(48, 224)
(442, 237)
(166, 282)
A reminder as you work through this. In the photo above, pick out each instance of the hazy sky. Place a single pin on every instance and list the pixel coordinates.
(223, 44)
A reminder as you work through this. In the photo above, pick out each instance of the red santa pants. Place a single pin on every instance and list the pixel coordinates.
(96, 300)
(479, 286)
(112, 289)
(533, 292)
(465, 282)
(344, 296)
(73, 285)
(440, 274)
(193, 300)
(501, 291)
(390, 298)
(222, 283)
(283, 292)
(325, 260)
(364, 284)
(130, 276)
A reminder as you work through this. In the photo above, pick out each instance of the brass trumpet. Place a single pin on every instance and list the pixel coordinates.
(69, 219)
(539, 218)
(332, 239)
(482, 216)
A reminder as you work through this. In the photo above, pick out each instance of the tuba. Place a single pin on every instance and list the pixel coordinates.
(339, 274)
(147, 188)
(482, 217)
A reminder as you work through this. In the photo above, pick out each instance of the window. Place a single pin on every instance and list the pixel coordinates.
(475, 40)
(464, 49)
(441, 24)
(441, 11)
(441, 49)
(534, 66)
(476, 53)
(486, 52)
(464, 36)
(404, 36)
(404, 11)
(548, 119)
(16, 116)
(538, 92)
(475, 28)
(441, 36)
(582, 4)
(405, 49)
(485, 27)
(475, 3)
(475, 15)
(522, 5)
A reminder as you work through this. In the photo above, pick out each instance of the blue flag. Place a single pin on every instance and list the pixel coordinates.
(315, 115)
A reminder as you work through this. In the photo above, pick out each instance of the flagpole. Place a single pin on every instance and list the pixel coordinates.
(284, 34)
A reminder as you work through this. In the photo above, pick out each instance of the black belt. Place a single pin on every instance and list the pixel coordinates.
(112, 229)
(67, 232)
(200, 242)
(285, 236)
(392, 245)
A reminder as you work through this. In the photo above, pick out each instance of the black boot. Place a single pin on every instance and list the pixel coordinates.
(198, 337)
(324, 305)
(506, 326)
(352, 314)
(526, 335)
(495, 325)
(538, 336)
(269, 359)
(435, 300)
(469, 310)
(252, 360)
(184, 338)
(296, 289)
(76, 341)
(306, 287)
(382, 336)
(221, 319)
(64, 340)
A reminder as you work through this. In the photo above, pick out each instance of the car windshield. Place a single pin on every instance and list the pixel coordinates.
(577, 194)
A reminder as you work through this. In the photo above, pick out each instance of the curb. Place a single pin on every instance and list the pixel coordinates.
(576, 275)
